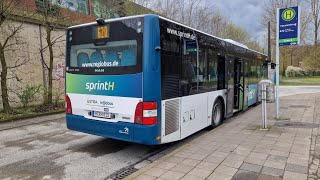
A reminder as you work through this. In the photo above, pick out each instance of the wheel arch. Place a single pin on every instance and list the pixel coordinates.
(223, 104)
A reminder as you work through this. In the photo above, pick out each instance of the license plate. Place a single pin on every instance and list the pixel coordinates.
(102, 114)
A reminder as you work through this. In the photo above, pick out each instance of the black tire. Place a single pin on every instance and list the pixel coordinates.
(217, 114)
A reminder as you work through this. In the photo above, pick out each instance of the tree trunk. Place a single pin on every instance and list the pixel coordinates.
(4, 88)
(50, 70)
(315, 15)
(44, 77)
(316, 28)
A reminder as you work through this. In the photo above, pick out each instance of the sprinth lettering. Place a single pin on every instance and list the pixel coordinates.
(100, 86)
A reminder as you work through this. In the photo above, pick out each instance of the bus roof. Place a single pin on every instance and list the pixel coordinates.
(180, 24)
(108, 20)
(226, 41)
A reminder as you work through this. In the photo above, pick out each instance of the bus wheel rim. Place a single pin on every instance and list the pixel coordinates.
(216, 114)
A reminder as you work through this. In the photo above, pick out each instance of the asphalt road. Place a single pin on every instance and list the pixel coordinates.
(45, 149)
(50, 151)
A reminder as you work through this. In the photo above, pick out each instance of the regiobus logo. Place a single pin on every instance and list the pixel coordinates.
(100, 86)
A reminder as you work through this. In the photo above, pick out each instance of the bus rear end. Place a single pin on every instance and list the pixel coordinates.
(108, 76)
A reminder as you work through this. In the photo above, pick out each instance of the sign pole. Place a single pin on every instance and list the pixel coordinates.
(299, 12)
(277, 67)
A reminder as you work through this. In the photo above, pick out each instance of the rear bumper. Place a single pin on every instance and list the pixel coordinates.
(122, 131)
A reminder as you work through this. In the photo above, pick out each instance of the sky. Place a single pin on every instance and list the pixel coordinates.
(245, 13)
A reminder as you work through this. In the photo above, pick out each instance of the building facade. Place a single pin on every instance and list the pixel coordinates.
(33, 49)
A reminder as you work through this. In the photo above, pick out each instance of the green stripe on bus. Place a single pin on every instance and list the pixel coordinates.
(241, 100)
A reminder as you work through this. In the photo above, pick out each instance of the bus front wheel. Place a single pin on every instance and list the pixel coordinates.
(217, 113)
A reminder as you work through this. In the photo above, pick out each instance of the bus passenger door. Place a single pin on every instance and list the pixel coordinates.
(230, 85)
(245, 84)
(238, 85)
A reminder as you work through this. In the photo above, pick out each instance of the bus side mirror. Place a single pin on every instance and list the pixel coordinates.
(158, 48)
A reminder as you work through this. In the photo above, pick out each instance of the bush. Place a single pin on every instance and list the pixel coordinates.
(29, 94)
(296, 72)
(58, 97)
(314, 72)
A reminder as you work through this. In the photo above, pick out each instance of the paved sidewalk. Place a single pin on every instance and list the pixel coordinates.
(239, 150)
(293, 90)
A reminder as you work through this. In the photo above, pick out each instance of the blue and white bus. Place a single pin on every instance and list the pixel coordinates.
(150, 80)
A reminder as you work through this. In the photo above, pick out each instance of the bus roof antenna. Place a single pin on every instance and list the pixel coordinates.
(101, 21)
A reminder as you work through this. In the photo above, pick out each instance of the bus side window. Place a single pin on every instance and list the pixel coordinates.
(212, 70)
(202, 76)
(258, 72)
(170, 75)
(188, 75)
(221, 66)
(170, 64)
(253, 72)
(128, 57)
(188, 82)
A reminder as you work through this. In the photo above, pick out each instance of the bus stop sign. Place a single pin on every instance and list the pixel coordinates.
(288, 34)
(289, 29)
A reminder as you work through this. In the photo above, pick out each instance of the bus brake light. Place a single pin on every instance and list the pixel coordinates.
(149, 105)
(68, 105)
(146, 113)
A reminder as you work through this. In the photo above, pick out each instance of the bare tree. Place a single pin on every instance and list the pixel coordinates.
(9, 39)
(315, 10)
(195, 13)
(270, 15)
(143, 3)
(51, 19)
(218, 24)
(202, 15)
(314, 6)
(236, 33)
(109, 9)
(135, 7)
(166, 8)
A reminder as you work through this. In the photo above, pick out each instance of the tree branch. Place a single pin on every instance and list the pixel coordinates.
(25, 61)
(12, 34)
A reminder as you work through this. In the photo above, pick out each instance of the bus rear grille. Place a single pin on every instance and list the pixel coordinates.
(172, 116)
(171, 86)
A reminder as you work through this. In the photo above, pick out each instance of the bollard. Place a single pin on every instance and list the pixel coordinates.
(263, 93)
(264, 106)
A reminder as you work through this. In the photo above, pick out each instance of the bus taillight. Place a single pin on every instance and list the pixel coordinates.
(146, 113)
(68, 105)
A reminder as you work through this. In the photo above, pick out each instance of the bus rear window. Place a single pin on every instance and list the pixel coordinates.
(113, 49)
(113, 54)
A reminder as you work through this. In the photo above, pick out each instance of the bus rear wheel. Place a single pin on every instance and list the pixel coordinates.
(217, 113)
